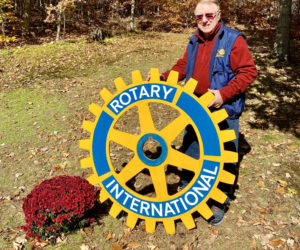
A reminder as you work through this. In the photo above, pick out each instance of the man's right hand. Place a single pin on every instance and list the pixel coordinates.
(162, 78)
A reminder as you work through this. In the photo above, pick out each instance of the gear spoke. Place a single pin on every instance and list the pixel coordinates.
(125, 139)
(176, 125)
(130, 170)
(181, 160)
(146, 122)
(159, 181)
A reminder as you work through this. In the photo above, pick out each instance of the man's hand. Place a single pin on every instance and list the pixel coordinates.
(162, 78)
(217, 101)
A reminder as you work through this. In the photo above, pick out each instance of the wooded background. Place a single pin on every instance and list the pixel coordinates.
(26, 21)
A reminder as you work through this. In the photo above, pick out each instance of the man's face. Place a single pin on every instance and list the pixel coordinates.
(208, 16)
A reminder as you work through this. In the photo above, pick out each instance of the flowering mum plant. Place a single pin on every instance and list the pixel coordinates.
(58, 205)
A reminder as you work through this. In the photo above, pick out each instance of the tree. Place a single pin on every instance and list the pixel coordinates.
(5, 16)
(132, 28)
(57, 13)
(27, 14)
(282, 41)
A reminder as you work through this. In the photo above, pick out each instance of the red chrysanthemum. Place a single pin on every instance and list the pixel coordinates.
(58, 205)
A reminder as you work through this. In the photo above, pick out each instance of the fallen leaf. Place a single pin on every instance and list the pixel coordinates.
(261, 183)
(84, 247)
(109, 236)
(211, 239)
(11, 155)
(215, 232)
(185, 247)
(15, 194)
(295, 221)
(20, 242)
(293, 147)
(257, 223)
(279, 191)
(63, 166)
(253, 243)
(61, 240)
(290, 243)
(151, 246)
(134, 245)
(283, 183)
(87, 239)
(275, 242)
(18, 175)
(116, 246)
(44, 149)
(244, 166)
(292, 191)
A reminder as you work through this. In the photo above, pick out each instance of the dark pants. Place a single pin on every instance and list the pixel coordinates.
(191, 146)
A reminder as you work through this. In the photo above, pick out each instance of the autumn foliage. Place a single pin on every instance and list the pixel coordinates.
(58, 205)
(158, 15)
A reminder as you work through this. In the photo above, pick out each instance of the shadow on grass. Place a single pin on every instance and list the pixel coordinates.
(275, 101)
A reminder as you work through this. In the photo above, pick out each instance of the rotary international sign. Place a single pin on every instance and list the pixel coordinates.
(207, 171)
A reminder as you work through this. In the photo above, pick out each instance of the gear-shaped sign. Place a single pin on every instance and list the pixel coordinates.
(207, 170)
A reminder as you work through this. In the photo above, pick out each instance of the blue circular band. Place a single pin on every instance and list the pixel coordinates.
(146, 160)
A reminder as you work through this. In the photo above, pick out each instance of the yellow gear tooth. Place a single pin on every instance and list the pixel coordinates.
(88, 126)
(154, 75)
(190, 86)
(87, 162)
(188, 221)
(120, 84)
(93, 179)
(227, 135)
(137, 77)
(206, 99)
(205, 211)
(131, 220)
(150, 225)
(219, 115)
(169, 226)
(227, 177)
(85, 144)
(230, 157)
(95, 109)
(106, 95)
(218, 195)
(173, 78)
(115, 210)
(103, 195)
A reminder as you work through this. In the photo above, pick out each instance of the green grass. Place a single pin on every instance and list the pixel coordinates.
(27, 111)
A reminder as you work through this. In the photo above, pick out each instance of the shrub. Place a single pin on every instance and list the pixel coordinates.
(58, 205)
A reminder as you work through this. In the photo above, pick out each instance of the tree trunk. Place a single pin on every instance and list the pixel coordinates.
(282, 42)
(132, 26)
(59, 19)
(3, 26)
(26, 16)
(64, 25)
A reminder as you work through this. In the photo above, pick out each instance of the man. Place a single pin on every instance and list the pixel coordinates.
(219, 59)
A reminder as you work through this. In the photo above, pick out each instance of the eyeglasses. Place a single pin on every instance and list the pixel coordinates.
(209, 16)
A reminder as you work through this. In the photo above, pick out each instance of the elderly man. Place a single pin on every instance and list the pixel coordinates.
(219, 59)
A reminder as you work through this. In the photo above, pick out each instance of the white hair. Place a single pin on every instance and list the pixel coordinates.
(216, 2)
